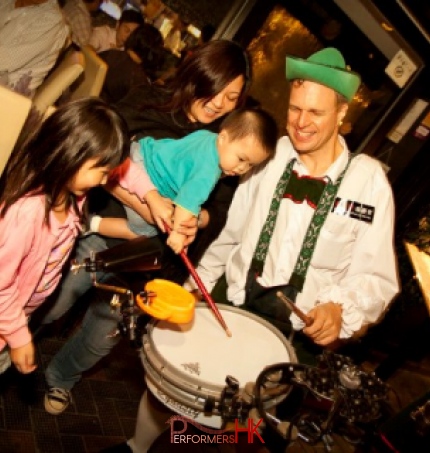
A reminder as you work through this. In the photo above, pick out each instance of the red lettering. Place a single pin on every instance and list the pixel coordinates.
(238, 429)
(253, 430)
(184, 424)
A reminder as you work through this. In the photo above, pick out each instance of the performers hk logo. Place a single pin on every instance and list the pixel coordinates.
(179, 424)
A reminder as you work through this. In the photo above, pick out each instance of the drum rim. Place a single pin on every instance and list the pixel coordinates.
(200, 387)
(150, 377)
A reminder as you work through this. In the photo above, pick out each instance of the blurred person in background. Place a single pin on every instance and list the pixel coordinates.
(78, 16)
(137, 64)
(173, 38)
(32, 35)
(105, 37)
(206, 34)
(154, 12)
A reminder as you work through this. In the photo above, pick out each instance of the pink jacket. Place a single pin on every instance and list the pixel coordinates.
(25, 245)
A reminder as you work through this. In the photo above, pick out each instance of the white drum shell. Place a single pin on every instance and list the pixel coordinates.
(188, 363)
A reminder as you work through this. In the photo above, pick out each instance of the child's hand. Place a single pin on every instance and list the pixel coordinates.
(176, 241)
(189, 229)
(161, 208)
(188, 238)
(23, 358)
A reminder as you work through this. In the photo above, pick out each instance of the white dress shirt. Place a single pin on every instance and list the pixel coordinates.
(353, 264)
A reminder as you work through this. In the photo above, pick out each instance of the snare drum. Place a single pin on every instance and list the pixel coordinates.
(187, 364)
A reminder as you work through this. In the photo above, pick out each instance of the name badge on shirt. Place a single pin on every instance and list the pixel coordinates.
(353, 209)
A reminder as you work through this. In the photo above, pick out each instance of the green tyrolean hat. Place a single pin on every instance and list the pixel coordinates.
(327, 67)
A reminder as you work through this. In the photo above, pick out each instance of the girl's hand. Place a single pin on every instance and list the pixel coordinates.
(176, 241)
(23, 358)
(161, 208)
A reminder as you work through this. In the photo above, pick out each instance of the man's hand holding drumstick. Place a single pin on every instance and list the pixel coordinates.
(322, 323)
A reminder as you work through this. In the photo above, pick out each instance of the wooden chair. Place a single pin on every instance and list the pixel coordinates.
(14, 109)
(70, 67)
(91, 81)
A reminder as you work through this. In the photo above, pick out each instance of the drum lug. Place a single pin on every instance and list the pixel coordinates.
(233, 405)
(209, 405)
(232, 383)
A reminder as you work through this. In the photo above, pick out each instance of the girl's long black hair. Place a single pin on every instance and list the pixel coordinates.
(50, 157)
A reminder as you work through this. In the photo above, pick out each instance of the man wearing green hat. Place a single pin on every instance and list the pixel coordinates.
(316, 222)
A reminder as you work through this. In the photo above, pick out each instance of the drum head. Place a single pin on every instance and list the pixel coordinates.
(202, 350)
(187, 364)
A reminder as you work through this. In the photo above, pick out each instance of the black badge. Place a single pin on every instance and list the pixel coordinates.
(353, 209)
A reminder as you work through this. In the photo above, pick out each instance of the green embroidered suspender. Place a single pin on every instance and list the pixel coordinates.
(328, 195)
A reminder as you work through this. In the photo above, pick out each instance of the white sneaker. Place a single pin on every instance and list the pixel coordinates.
(57, 400)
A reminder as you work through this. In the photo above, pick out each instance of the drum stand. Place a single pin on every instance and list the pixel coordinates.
(138, 255)
(337, 393)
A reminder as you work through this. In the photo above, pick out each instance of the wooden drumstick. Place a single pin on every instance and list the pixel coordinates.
(202, 287)
(295, 309)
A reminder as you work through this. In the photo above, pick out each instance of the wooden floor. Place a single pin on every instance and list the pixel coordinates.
(106, 400)
(102, 413)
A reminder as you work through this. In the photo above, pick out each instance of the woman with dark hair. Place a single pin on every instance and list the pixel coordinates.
(210, 83)
(138, 64)
(207, 86)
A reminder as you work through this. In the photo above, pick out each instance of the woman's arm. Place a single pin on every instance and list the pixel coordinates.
(132, 201)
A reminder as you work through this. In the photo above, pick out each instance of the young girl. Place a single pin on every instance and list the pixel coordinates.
(42, 194)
